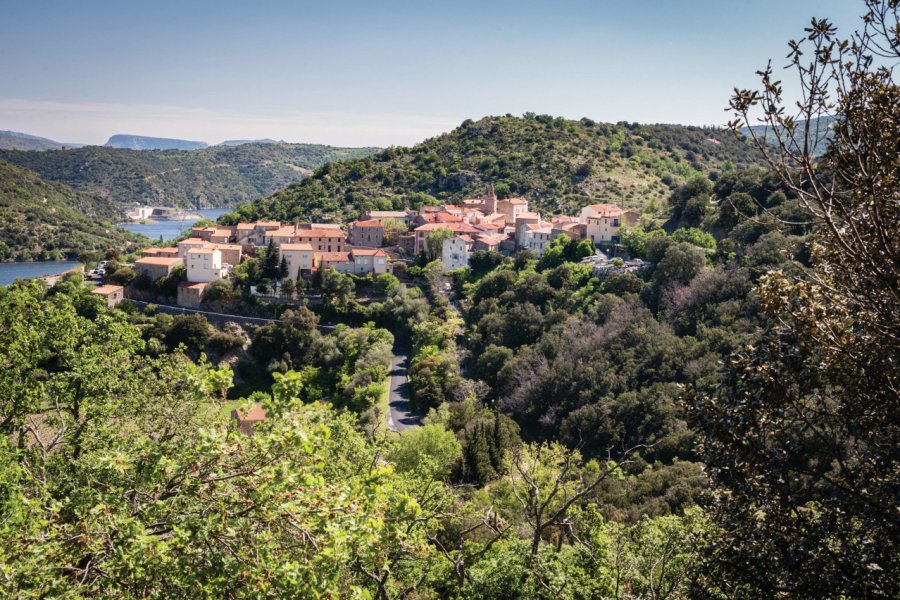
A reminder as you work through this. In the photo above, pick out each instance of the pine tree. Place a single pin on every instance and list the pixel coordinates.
(270, 262)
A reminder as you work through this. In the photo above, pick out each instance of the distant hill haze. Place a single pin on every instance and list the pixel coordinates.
(139, 142)
(209, 177)
(821, 133)
(14, 140)
(242, 142)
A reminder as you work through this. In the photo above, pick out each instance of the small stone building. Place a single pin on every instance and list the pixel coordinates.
(113, 294)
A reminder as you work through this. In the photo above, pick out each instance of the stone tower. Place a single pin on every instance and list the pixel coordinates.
(490, 201)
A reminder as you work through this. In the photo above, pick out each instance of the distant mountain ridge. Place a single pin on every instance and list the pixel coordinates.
(140, 142)
(209, 177)
(822, 129)
(15, 140)
(242, 142)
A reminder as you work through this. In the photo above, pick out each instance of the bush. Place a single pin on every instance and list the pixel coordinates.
(190, 330)
(388, 284)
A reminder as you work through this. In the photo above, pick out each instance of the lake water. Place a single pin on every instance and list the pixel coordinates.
(169, 230)
(9, 272)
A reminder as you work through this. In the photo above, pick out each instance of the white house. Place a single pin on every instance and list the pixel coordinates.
(455, 252)
(204, 265)
(538, 238)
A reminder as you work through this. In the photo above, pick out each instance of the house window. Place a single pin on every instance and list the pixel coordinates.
(615, 222)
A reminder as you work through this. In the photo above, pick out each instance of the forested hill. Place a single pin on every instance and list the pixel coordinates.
(557, 164)
(216, 176)
(41, 220)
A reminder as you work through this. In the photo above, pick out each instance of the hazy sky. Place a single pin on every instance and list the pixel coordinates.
(378, 72)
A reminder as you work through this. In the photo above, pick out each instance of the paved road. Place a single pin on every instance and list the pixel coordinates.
(399, 416)
(220, 317)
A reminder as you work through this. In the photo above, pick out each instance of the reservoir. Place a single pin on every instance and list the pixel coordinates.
(9, 272)
(169, 230)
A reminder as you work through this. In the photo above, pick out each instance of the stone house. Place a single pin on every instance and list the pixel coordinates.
(155, 267)
(113, 294)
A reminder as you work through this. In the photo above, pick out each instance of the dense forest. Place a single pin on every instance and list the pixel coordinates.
(41, 220)
(559, 165)
(718, 421)
(215, 176)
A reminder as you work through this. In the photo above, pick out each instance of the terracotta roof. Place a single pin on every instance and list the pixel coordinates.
(321, 233)
(227, 246)
(257, 413)
(606, 210)
(245, 225)
(441, 217)
(333, 256)
(194, 285)
(303, 246)
(283, 231)
(367, 223)
(201, 250)
(491, 239)
(267, 224)
(514, 201)
(106, 290)
(165, 261)
(368, 251)
(157, 251)
(192, 241)
(466, 238)
(490, 226)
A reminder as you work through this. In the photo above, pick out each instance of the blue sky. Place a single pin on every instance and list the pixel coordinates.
(378, 73)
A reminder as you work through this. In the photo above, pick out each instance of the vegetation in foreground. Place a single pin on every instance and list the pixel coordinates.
(719, 424)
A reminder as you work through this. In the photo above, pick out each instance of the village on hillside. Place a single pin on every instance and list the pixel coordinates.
(377, 242)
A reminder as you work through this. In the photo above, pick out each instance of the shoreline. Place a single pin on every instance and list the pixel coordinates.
(49, 278)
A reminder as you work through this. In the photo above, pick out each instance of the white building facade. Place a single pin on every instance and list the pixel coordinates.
(204, 265)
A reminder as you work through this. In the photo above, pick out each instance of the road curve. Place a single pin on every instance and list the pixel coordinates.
(399, 415)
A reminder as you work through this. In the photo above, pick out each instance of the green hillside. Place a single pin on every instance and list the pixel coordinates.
(215, 176)
(40, 220)
(559, 165)
(13, 140)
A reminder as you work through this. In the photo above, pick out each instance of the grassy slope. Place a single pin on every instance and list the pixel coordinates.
(559, 165)
(218, 176)
(40, 220)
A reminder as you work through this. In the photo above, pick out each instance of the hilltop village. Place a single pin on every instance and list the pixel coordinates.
(379, 240)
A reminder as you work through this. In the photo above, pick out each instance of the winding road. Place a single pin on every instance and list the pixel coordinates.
(399, 415)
